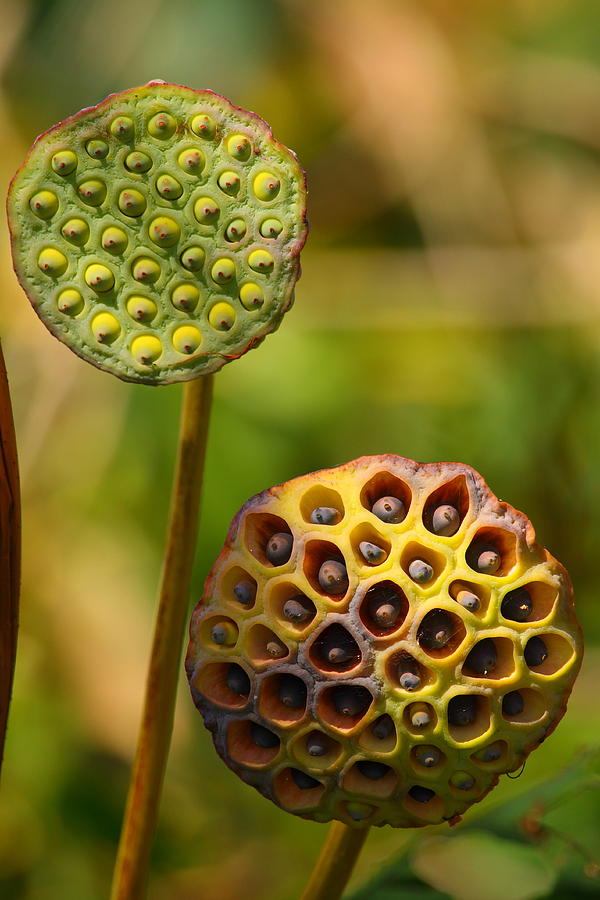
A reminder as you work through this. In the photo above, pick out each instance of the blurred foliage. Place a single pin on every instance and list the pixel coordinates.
(449, 309)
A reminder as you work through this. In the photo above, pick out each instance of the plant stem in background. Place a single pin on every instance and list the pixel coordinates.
(154, 737)
(336, 861)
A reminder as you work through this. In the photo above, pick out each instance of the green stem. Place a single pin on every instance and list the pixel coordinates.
(334, 866)
(154, 738)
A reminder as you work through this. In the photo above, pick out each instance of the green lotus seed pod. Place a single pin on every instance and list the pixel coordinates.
(64, 162)
(70, 302)
(271, 228)
(146, 349)
(44, 204)
(119, 185)
(381, 689)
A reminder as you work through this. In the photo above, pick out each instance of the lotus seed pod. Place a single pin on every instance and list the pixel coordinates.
(390, 700)
(173, 189)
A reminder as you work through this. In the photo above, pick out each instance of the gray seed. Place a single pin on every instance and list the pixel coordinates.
(446, 520)
(389, 509)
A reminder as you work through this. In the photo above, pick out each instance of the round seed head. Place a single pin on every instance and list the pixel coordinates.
(371, 553)
(237, 680)
(271, 228)
(192, 258)
(279, 548)
(114, 239)
(420, 571)
(70, 302)
(132, 203)
(92, 191)
(76, 231)
(446, 520)
(325, 515)
(168, 187)
(64, 162)
(138, 161)
(187, 339)
(483, 658)
(536, 652)
(146, 349)
(245, 592)
(222, 316)
(44, 204)
(262, 737)
(488, 561)
(252, 296)
(292, 691)
(462, 710)
(298, 609)
(141, 309)
(97, 149)
(517, 605)
(468, 600)
(333, 577)
(513, 703)
(235, 231)
(389, 509)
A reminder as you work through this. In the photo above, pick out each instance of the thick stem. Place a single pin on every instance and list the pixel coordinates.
(334, 866)
(154, 738)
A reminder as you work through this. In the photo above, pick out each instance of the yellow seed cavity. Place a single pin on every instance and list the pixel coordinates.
(191, 160)
(186, 339)
(138, 161)
(222, 316)
(122, 127)
(99, 278)
(266, 186)
(229, 182)
(223, 270)
(252, 295)
(70, 302)
(146, 270)
(76, 231)
(114, 239)
(192, 258)
(261, 261)
(97, 149)
(146, 349)
(105, 328)
(162, 125)
(271, 228)
(44, 204)
(132, 203)
(168, 187)
(239, 146)
(142, 309)
(52, 262)
(185, 297)
(64, 162)
(164, 231)
(92, 191)
(204, 126)
(206, 210)
(236, 230)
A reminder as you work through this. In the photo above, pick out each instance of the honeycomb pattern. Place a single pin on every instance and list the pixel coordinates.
(158, 233)
(377, 643)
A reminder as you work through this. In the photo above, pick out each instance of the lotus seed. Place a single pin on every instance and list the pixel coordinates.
(427, 755)
(488, 562)
(383, 728)
(245, 592)
(324, 515)
(141, 309)
(435, 630)
(517, 605)
(204, 126)
(303, 781)
(298, 609)
(223, 270)
(44, 204)
(446, 520)
(483, 658)
(420, 571)
(105, 328)
(536, 652)
(262, 737)
(239, 147)
(99, 278)
(383, 605)
(114, 239)
(468, 600)
(122, 127)
(192, 258)
(229, 182)
(76, 231)
(52, 262)
(237, 680)
(372, 770)
(64, 162)
(462, 710)
(132, 203)
(337, 647)
(164, 231)
(261, 261)
(162, 126)
(513, 704)
(224, 634)
(206, 210)
(191, 161)
(409, 681)
(266, 186)
(138, 161)
(421, 794)
(146, 349)
(251, 296)
(92, 191)
(235, 231)
(187, 339)
(271, 228)
(333, 577)
(97, 149)
(351, 700)
(222, 316)
(279, 548)
(276, 649)
(70, 302)
(185, 297)
(168, 187)
(462, 781)
(292, 692)
(420, 715)
(490, 754)
(317, 744)
(371, 553)
(146, 270)
(389, 509)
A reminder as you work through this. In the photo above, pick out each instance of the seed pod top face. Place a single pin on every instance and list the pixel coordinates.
(164, 192)
(415, 701)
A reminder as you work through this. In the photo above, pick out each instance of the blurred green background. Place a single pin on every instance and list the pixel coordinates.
(449, 309)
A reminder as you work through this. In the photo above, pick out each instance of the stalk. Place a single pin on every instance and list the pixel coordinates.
(336, 861)
(154, 738)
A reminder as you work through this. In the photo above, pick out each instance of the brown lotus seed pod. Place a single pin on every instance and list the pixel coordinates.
(385, 699)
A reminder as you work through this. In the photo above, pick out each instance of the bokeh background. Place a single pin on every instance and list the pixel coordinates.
(449, 309)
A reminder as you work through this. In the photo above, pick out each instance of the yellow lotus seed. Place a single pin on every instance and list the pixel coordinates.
(146, 270)
(76, 231)
(222, 316)
(44, 204)
(252, 295)
(223, 270)
(266, 186)
(105, 328)
(114, 239)
(122, 127)
(206, 210)
(132, 203)
(64, 162)
(92, 191)
(239, 146)
(204, 126)
(236, 230)
(138, 161)
(229, 182)
(185, 297)
(162, 125)
(70, 302)
(186, 339)
(261, 261)
(168, 187)
(164, 231)
(52, 262)
(146, 349)
(191, 160)
(97, 149)
(271, 228)
(192, 258)
(142, 309)
(99, 278)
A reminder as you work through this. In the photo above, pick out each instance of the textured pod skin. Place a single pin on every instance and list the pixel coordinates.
(160, 193)
(435, 753)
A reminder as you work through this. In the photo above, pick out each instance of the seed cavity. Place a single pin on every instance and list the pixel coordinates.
(138, 161)
(513, 704)
(333, 577)
(222, 316)
(99, 278)
(468, 600)
(299, 609)
(44, 204)
(146, 270)
(252, 296)
(271, 228)
(351, 700)
(462, 781)
(185, 297)
(122, 127)
(237, 680)
(131, 203)
(488, 562)
(229, 182)
(420, 571)
(164, 231)
(372, 770)
(325, 515)
(76, 231)
(483, 658)
(97, 148)
(105, 328)
(162, 126)
(114, 239)
(64, 162)
(223, 270)
(186, 339)
(261, 261)
(435, 630)
(168, 187)
(192, 258)
(462, 710)
(517, 605)
(266, 186)
(52, 262)
(204, 126)
(239, 147)
(191, 161)
(235, 231)
(146, 349)
(262, 737)
(303, 781)
(421, 794)
(206, 210)
(141, 309)
(292, 691)
(371, 553)
(92, 191)
(536, 652)
(70, 302)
